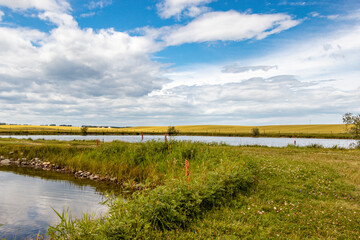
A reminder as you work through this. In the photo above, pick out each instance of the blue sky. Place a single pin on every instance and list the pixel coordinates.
(178, 62)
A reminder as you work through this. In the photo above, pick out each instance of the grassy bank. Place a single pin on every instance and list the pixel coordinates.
(232, 193)
(304, 131)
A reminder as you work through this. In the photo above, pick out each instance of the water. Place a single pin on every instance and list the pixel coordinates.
(27, 197)
(234, 141)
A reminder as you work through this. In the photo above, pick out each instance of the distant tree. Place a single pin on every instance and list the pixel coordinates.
(352, 123)
(255, 132)
(172, 131)
(84, 130)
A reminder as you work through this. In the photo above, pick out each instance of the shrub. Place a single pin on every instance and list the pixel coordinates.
(172, 131)
(84, 130)
(255, 131)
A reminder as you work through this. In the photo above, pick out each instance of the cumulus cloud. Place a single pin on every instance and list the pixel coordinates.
(192, 8)
(91, 63)
(1, 15)
(55, 11)
(228, 26)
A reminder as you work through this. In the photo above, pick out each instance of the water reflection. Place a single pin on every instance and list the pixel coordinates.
(27, 197)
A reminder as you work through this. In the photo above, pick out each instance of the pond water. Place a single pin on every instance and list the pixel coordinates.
(27, 197)
(234, 141)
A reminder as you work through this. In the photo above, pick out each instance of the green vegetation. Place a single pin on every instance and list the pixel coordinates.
(230, 192)
(255, 132)
(352, 123)
(172, 131)
(84, 130)
(304, 131)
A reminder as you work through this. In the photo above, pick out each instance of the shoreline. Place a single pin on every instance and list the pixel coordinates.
(36, 163)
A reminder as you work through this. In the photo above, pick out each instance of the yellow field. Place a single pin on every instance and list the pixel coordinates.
(315, 129)
(271, 129)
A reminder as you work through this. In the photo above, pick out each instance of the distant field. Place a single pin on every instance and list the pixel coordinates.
(314, 129)
(273, 129)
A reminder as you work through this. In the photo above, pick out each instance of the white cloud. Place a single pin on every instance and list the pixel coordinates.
(1, 15)
(99, 4)
(333, 56)
(192, 8)
(58, 18)
(45, 5)
(254, 100)
(72, 72)
(89, 14)
(228, 26)
(55, 11)
(235, 68)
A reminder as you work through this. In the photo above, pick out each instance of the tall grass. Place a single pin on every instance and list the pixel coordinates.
(174, 205)
(149, 162)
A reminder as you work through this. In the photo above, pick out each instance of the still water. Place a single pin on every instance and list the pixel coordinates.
(234, 141)
(27, 197)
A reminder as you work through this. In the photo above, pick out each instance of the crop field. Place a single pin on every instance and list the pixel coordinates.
(273, 130)
(323, 128)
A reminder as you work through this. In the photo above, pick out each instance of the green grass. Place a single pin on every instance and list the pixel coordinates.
(233, 192)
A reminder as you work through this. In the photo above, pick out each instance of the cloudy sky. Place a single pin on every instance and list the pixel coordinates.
(179, 62)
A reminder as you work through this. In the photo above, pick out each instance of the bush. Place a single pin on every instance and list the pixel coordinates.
(84, 130)
(255, 132)
(172, 131)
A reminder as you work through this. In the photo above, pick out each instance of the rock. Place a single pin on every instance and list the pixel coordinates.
(5, 162)
(2, 157)
(94, 177)
(23, 159)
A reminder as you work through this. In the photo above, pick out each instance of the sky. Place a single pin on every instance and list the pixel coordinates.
(179, 62)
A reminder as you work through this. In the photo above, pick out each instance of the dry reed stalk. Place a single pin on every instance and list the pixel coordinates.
(187, 172)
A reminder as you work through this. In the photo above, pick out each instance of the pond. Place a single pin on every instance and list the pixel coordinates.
(233, 141)
(28, 197)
